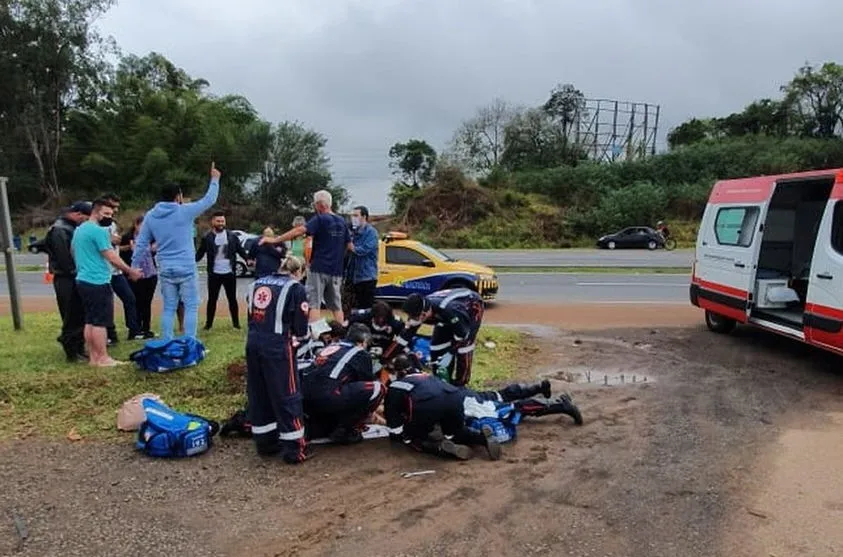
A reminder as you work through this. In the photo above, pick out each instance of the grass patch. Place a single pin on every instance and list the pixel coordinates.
(598, 270)
(42, 395)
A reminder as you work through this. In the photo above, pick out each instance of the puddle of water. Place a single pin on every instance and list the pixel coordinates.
(598, 377)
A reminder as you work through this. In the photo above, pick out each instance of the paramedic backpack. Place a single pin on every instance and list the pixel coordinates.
(170, 434)
(162, 356)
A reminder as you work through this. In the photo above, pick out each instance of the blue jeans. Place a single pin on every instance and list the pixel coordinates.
(179, 285)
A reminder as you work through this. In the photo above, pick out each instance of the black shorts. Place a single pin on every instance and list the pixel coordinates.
(98, 300)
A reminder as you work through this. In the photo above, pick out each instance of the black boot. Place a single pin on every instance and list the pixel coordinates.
(520, 392)
(445, 447)
(562, 405)
(345, 436)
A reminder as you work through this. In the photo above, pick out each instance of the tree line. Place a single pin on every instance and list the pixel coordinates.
(533, 152)
(73, 124)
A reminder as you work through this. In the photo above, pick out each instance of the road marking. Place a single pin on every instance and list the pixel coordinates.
(683, 285)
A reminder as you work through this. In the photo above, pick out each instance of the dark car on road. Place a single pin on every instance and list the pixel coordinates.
(634, 237)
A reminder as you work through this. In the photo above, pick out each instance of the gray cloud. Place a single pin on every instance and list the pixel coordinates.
(370, 73)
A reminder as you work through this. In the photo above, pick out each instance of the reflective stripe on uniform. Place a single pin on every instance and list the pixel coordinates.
(466, 349)
(261, 429)
(291, 436)
(401, 386)
(442, 346)
(279, 307)
(402, 341)
(396, 430)
(377, 391)
(453, 297)
(335, 373)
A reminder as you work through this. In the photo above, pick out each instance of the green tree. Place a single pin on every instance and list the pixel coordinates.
(51, 63)
(816, 95)
(296, 167)
(534, 140)
(155, 124)
(414, 161)
(566, 107)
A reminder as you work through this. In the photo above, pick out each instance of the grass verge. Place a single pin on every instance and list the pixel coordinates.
(43, 396)
(603, 270)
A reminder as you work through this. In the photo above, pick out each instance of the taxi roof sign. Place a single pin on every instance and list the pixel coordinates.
(394, 235)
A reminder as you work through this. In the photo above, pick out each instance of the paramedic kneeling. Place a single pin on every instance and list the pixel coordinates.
(278, 312)
(340, 390)
(418, 402)
(456, 316)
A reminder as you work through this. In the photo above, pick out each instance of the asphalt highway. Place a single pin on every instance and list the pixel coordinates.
(514, 287)
(536, 258)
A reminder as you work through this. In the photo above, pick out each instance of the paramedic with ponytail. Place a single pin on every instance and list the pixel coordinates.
(278, 313)
(456, 316)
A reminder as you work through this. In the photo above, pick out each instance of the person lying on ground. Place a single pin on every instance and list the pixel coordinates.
(340, 389)
(456, 316)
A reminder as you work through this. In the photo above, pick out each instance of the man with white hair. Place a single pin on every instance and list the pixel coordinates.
(331, 240)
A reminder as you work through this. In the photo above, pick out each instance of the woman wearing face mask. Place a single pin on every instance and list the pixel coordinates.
(144, 288)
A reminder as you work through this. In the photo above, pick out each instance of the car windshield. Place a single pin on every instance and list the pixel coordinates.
(436, 253)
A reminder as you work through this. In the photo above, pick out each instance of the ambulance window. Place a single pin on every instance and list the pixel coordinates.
(837, 227)
(404, 256)
(735, 226)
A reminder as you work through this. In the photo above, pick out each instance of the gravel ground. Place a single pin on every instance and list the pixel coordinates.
(667, 466)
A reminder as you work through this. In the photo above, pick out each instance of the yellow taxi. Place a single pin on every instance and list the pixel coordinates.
(407, 266)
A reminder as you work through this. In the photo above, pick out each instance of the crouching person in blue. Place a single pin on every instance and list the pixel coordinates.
(456, 316)
(340, 389)
(278, 312)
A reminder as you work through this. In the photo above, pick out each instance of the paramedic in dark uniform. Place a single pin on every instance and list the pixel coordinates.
(521, 395)
(278, 312)
(456, 316)
(383, 323)
(415, 404)
(340, 389)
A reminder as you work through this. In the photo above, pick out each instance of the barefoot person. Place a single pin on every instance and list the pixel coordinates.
(92, 251)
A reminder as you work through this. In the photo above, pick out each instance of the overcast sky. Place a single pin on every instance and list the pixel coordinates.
(368, 73)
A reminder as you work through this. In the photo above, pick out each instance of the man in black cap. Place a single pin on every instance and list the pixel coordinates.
(63, 268)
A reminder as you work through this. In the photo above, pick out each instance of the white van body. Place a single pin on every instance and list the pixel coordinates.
(769, 254)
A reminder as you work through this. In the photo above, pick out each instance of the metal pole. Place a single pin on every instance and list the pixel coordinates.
(8, 250)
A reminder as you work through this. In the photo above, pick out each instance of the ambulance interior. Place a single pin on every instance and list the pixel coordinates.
(787, 248)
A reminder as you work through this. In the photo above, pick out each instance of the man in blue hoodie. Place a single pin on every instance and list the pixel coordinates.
(170, 225)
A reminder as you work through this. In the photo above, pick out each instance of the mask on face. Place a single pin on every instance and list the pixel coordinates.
(106, 221)
(355, 222)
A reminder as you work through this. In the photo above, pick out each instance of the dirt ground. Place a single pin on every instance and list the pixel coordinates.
(694, 444)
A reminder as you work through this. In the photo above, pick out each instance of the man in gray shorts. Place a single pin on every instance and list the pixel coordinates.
(331, 241)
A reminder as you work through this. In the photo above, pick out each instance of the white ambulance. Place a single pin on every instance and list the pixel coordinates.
(770, 254)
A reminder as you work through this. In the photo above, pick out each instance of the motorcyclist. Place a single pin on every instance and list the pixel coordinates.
(340, 389)
(663, 229)
(456, 316)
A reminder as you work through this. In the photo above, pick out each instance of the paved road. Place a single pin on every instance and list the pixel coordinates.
(538, 258)
(515, 287)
